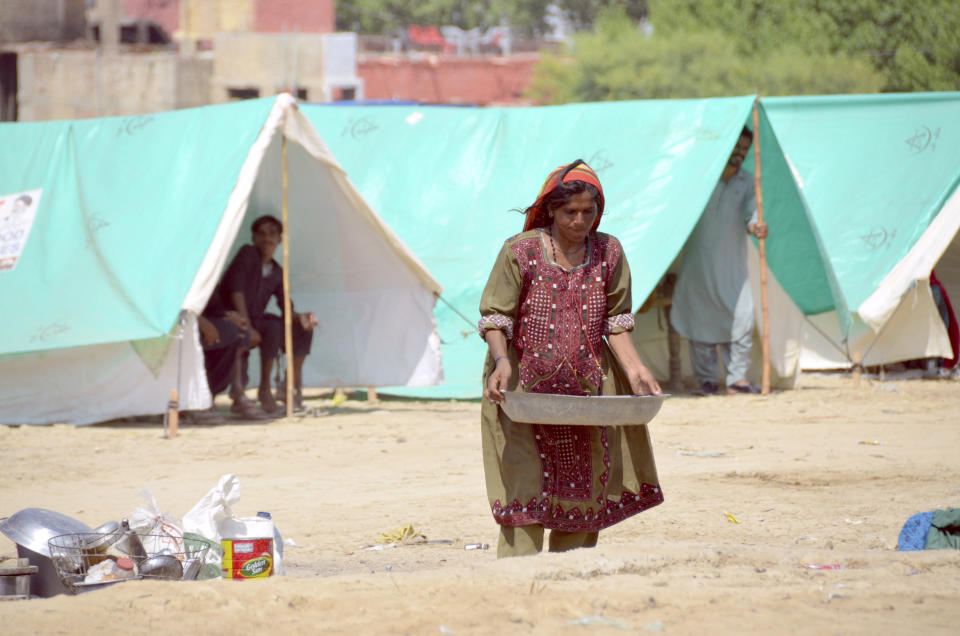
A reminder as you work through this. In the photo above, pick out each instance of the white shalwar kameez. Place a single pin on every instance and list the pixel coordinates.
(712, 303)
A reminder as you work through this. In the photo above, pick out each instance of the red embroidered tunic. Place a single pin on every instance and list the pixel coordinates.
(571, 478)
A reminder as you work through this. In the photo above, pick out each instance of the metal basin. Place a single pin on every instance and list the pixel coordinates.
(34, 527)
(31, 529)
(603, 410)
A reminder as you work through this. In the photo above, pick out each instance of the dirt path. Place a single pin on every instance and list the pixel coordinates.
(757, 489)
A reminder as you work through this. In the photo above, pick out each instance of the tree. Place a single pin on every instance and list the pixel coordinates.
(615, 61)
(913, 43)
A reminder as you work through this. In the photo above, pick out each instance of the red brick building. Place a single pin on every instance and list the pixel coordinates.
(448, 79)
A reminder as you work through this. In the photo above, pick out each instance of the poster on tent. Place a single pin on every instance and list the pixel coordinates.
(17, 212)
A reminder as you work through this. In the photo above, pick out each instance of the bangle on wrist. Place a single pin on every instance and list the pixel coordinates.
(498, 359)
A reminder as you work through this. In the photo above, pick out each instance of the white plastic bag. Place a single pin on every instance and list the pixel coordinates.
(206, 517)
(158, 529)
(213, 518)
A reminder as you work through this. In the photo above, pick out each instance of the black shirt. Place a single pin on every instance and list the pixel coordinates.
(245, 274)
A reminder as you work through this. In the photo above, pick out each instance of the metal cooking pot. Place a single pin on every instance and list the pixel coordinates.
(31, 529)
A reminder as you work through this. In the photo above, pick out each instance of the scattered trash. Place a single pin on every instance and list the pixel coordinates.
(148, 519)
(692, 453)
(110, 570)
(381, 546)
(593, 619)
(730, 517)
(339, 397)
(871, 442)
(310, 411)
(854, 522)
(655, 626)
(476, 546)
(815, 566)
(405, 534)
(445, 630)
(806, 540)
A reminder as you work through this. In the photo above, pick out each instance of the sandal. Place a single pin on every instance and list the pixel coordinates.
(206, 417)
(244, 409)
(742, 388)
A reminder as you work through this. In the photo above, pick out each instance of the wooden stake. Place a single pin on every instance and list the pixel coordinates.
(173, 414)
(673, 349)
(857, 368)
(762, 248)
(287, 305)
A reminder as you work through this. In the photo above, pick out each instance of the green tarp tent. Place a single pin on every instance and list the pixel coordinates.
(851, 186)
(130, 222)
(880, 176)
(447, 179)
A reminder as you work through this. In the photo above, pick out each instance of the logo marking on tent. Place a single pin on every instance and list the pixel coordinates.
(133, 125)
(599, 162)
(359, 128)
(48, 331)
(922, 139)
(94, 224)
(878, 237)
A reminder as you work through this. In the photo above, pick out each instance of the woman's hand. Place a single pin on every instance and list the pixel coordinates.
(498, 381)
(642, 381)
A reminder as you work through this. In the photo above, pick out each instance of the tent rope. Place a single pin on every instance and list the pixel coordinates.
(455, 310)
(839, 348)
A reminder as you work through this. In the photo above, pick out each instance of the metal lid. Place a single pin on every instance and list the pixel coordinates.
(33, 527)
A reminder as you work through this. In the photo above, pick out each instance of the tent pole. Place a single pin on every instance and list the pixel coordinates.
(762, 248)
(287, 305)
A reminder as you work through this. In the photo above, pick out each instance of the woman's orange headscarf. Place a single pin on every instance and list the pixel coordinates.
(577, 171)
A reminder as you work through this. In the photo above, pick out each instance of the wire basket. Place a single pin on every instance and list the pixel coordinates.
(92, 559)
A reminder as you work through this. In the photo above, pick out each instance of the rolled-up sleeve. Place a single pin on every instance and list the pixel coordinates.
(500, 301)
(619, 310)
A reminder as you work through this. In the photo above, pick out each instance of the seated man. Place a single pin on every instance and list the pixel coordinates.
(251, 279)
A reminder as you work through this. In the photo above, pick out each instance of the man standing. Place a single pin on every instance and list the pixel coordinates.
(252, 278)
(712, 303)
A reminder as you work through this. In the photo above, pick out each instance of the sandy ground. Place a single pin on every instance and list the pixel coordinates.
(824, 475)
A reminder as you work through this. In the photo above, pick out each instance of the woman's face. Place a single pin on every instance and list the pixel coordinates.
(572, 220)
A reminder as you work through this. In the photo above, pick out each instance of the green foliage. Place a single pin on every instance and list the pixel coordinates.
(913, 43)
(617, 62)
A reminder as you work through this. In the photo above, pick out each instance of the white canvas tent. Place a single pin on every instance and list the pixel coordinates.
(136, 220)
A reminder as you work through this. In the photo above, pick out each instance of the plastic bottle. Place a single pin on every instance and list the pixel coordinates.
(278, 568)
